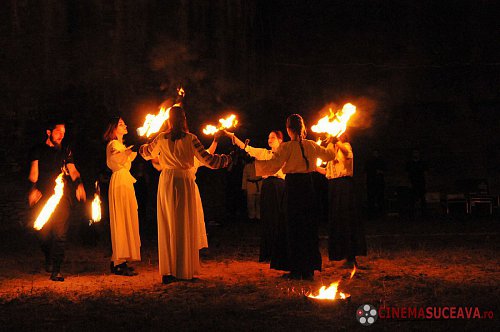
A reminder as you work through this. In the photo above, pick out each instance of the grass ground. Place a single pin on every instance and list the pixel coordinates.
(429, 262)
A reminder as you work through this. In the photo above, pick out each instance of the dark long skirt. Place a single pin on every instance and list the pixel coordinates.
(301, 225)
(346, 238)
(273, 245)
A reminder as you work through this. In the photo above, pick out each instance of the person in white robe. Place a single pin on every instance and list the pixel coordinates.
(123, 212)
(179, 210)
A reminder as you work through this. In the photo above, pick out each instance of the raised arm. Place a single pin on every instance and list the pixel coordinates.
(151, 150)
(273, 165)
(208, 159)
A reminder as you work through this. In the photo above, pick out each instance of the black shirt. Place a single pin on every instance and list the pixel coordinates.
(51, 161)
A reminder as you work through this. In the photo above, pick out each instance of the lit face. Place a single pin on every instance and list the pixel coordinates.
(121, 129)
(273, 141)
(56, 135)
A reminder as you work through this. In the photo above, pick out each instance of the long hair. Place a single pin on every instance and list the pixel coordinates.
(296, 125)
(178, 123)
(110, 133)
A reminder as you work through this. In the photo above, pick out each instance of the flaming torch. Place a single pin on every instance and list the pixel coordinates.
(153, 123)
(226, 123)
(96, 205)
(335, 124)
(51, 204)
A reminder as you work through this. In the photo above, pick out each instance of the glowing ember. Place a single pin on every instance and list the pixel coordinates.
(51, 204)
(329, 293)
(181, 92)
(96, 206)
(335, 124)
(153, 123)
(226, 123)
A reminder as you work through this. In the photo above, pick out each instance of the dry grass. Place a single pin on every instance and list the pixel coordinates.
(429, 266)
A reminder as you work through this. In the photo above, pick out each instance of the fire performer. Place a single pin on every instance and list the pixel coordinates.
(273, 244)
(297, 159)
(346, 238)
(47, 160)
(123, 213)
(179, 204)
(202, 232)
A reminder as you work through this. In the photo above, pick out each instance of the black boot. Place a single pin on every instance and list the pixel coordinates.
(56, 272)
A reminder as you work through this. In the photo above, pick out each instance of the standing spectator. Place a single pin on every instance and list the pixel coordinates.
(375, 184)
(417, 169)
(251, 185)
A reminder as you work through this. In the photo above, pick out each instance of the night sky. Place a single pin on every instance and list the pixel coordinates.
(424, 74)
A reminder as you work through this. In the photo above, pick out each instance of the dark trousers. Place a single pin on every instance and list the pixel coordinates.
(54, 233)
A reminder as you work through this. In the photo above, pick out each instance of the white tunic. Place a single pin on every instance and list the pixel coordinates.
(124, 219)
(289, 158)
(180, 211)
(342, 165)
(263, 154)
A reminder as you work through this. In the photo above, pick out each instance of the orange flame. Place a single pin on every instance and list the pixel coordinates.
(226, 123)
(319, 161)
(153, 123)
(96, 206)
(335, 124)
(181, 92)
(329, 293)
(51, 204)
(353, 272)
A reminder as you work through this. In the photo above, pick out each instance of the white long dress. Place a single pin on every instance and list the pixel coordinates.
(124, 218)
(180, 211)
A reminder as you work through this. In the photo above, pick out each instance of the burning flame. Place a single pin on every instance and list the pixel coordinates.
(329, 293)
(181, 92)
(153, 123)
(96, 205)
(319, 162)
(210, 130)
(353, 272)
(51, 204)
(335, 124)
(226, 123)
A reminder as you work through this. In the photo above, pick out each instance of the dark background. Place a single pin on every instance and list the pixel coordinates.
(424, 74)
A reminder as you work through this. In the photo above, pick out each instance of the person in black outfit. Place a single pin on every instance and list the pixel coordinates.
(416, 169)
(48, 160)
(375, 184)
